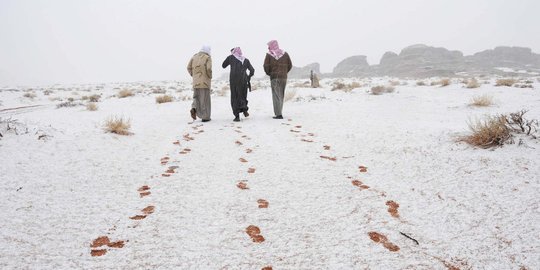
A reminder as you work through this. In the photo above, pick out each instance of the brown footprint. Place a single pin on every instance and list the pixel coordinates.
(362, 168)
(267, 268)
(146, 211)
(359, 184)
(298, 126)
(104, 241)
(327, 147)
(238, 143)
(164, 160)
(242, 185)
(255, 233)
(306, 140)
(263, 203)
(185, 151)
(380, 238)
(177, 142)
(251, 170)
(243, 160)
(329, 158)
(144, 191)
(188, 138)
(393, 208)
(249, 150)
(295, 131)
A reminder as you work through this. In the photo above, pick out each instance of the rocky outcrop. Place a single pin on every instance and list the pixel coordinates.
(509, 57)
(352, 66)
(421, 61)
(304, 72)
(425, 61)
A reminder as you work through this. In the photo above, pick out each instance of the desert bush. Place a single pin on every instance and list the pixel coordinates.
(125, 93)
(223, 91)
(289, 95)
(380, 89)
(445, 82)
(345, 87)
(117, 125)
(499, 130)
(159, 91)
(70, 99)
(420, 83)
(91, 106)
(94, 98)
(163, 99)
(489, 132)
(66, 104)
(523, 86)
(473, 83)
(47, 92)
(505, 82)
(305, 84)
(482, 101)
(29, 95)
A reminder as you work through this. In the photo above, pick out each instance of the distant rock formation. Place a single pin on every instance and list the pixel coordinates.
(421, 61)
(304, 72)
(510, 57)
(352, 66)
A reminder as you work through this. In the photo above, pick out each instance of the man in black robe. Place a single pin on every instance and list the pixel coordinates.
(239, 80)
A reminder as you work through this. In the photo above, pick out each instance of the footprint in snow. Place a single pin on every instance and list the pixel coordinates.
(243, 160)
(146, 211)
(359, 184)
(329, 158)
(242, 185)
(255, 233)
(380, 238)
(263, 203)
(251, 170)
(393, 208)
(238, 143)
(144, 191)
(164, 160)
(249, 150)
(98, 244)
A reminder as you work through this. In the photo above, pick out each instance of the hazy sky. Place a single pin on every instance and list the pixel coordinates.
(80, 41)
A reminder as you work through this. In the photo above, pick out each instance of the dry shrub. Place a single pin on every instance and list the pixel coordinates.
(94, 98)
(163, 99)
(29, 95)
(420, 83)
(47, 92)
(159, 91)
(91, 106)
(224, 90)
(345, 87)
(498, 130)
(482, 101)
(473, 83)
(117, 125)
(289, 95)
(66, 104)
(489, 132)
(125, 93)
(379, 90)
(445, 82)
(505, 82)
(302, 84)
(435, 83)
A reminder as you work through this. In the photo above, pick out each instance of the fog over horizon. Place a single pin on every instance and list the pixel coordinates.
(61, 41)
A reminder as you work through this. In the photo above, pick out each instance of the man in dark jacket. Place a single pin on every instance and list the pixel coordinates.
(276, 65)
(238, 81)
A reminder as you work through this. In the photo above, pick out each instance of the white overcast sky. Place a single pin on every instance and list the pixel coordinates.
(87, 41)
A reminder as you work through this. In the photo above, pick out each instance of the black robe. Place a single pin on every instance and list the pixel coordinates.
(238, 80)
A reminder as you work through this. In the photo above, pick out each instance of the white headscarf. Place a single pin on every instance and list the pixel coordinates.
(206, 49)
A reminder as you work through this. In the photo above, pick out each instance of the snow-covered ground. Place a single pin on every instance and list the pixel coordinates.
(65, 182)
